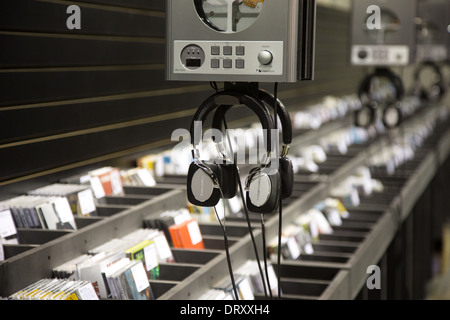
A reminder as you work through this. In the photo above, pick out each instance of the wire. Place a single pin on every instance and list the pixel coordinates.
(227, 250)
(263, 229)
(280, 205)
(213, 85)
(241, 190)
(230, 268)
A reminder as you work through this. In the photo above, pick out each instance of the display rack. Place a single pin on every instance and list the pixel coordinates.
(336, 270)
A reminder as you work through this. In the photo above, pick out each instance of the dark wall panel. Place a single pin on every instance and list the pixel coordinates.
(34, 87)
(48, 17)
(33, 157)
(18, 124)
(157, 5)
(75, 52)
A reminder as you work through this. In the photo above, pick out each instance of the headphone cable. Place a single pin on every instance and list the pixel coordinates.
(280, 223)
(227, 251)
(263, 231)
(245, 210)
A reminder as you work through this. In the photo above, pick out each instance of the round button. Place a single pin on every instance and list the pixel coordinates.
(362, 54)
(265, 57)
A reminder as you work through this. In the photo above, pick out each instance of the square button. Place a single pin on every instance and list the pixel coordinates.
(228, 50)
(215, 63)
(240, 63)
(215, 50)
(227, 63)
(240, 50)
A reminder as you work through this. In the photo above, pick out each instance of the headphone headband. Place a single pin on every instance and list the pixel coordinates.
(252, 103)
(382, 73)
(427, 64)
(268, 99)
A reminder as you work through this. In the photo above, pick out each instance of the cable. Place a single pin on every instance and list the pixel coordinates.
(280, 223)
(263, 229)
(230, 268)
(227, 250)
(213, 85)
(245, 209)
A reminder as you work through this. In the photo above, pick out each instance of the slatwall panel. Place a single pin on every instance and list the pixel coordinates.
(71, 98)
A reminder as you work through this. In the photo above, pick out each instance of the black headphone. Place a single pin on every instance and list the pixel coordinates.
(285, 167)
(438, 89)
(209, 181)
(370, 105)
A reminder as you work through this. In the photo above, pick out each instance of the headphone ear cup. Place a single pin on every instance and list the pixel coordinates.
(263, 194)
(229, 180)
(365, 116)
(201, 187)
(287, 177)
(392, 110)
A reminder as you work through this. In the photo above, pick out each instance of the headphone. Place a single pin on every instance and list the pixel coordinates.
(209, 181)
(369, 104)
(438, 89)
(264, 191)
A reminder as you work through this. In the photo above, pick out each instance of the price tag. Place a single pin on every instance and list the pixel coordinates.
(220, 208)
(342, 146)
(293, 247)
(85, 179)
(272, 279)
(179, 218)
(235, 205)
(63, 209)
(87, 292)
(140, 277)
(86, 202)
(163, 247)
(334, 217)
(355, 198)
(159, 166)
(194, 232)
(116, 182)
(7, 226)
(308, 248)
(97, 187)
(245, 290)
(146, 177)
(150, 256)
(313, 229)
(367, 186)
(321, 222)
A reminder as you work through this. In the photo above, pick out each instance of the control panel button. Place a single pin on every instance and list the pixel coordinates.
(240, 50)
(215, 50)
(215, 63)
(228, 50)
(265, 57)
(240, 63)
(362, 54)
(227, 63)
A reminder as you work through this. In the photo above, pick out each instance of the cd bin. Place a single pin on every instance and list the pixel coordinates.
(336, 270)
